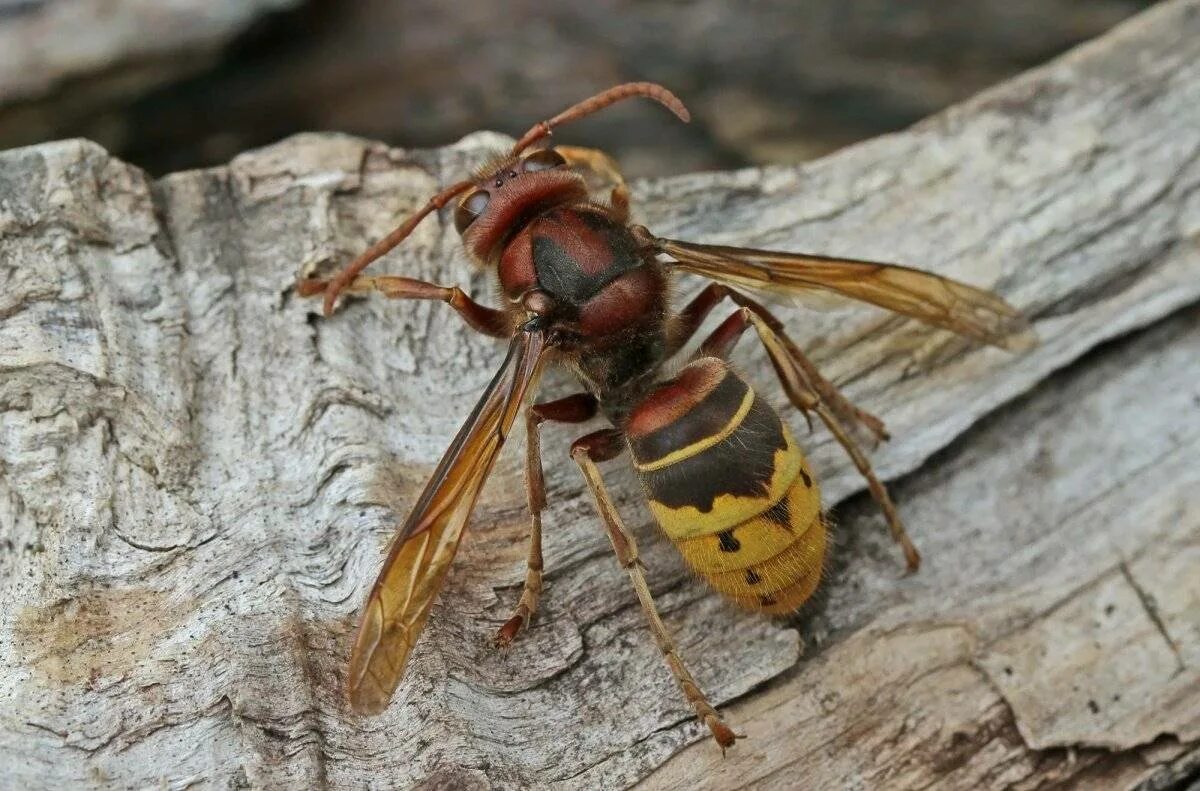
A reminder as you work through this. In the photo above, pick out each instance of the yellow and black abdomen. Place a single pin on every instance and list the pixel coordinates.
(730, 487)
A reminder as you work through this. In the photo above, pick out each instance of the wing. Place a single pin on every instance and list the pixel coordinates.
(424, 546)
(931, 298)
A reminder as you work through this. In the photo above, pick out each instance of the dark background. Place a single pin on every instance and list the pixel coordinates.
(768, 81)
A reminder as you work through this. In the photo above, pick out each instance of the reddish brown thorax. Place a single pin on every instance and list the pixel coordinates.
(587, 263)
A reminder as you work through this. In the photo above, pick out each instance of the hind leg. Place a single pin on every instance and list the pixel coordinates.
(808, 397)
(693, 315)
(601, 446)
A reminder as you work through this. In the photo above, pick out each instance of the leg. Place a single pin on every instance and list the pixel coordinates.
(601, 446)
(481, 318)
(605, 168)
(693, 315)
(688, 321)
(572, 409)
(806, 396)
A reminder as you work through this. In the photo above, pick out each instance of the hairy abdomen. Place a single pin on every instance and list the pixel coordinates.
(730, 487)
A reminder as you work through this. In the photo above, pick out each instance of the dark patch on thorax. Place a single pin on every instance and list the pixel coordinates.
(578, 251)
(742, 465)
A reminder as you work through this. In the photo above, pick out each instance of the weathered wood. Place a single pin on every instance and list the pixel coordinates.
(191, 462)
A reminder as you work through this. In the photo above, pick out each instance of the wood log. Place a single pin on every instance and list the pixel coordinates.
(198, 473)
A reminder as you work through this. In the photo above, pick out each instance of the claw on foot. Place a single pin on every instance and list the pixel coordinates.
(508, 632)
(723, 734)
(311, 286)
(875, 426)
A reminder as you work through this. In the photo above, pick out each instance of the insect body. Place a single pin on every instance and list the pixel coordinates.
(584, 288)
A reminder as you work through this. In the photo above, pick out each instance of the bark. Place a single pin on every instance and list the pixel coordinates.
(198, 474)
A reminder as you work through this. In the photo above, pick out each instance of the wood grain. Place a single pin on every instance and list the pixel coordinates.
(198, 474)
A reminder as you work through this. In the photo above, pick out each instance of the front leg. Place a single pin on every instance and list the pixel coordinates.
(489, 321)
(605, 169)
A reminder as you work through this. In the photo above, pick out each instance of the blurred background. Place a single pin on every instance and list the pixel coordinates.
(174, 84)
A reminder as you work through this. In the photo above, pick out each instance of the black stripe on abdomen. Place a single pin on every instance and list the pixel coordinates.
(706, 419)
(742, 465)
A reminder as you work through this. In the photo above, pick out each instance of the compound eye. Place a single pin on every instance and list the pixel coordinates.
(542, 159)
(469, 208)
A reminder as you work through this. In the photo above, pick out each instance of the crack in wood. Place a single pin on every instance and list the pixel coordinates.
(1152, 613)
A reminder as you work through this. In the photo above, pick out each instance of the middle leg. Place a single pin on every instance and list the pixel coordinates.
(601, 446)
(576, 408)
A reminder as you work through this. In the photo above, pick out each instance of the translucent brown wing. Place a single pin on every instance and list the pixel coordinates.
(424, 546)
(931, 298)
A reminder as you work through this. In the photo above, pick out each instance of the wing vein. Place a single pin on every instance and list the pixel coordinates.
(930, 298)
(425, 545)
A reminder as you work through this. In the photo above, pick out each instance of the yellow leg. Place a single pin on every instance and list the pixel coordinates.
(605, 168)
(600, 446)
(535, 486)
